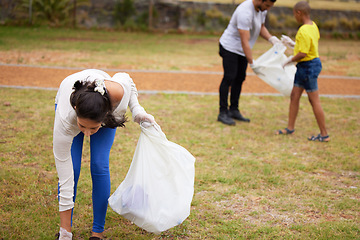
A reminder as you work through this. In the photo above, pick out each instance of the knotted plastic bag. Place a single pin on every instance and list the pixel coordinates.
(157, 191)
(268, 67)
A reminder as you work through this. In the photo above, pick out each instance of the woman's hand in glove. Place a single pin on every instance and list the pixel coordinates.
(144, 117)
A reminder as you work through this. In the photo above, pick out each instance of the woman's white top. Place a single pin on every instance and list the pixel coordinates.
(245, 17)
(66, 128)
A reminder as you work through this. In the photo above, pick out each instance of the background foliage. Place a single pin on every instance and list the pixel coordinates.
(210, 17)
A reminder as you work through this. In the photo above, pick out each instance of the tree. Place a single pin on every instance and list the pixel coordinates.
(123, 10)
(74, 13)
(30, 12)
(151, 6)
(53, 12)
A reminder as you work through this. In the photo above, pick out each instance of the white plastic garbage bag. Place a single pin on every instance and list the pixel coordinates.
(268, 67)
(157, 191)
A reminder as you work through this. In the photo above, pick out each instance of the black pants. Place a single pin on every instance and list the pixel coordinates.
(234, 75)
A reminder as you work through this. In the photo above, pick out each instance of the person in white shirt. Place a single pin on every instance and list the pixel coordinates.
(93, 104)
(246, 24)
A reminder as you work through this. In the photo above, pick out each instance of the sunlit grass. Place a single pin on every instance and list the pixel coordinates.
(144, 51)
(249, 182)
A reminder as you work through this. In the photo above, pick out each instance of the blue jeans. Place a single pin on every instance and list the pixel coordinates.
(100, 146)
(307, 74)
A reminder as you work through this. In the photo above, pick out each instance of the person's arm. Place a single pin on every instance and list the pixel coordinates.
(62, 141)
(138, 112)
(296, 58)
(264, 33)
(245, 37)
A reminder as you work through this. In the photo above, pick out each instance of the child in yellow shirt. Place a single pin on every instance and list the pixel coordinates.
(306, 54)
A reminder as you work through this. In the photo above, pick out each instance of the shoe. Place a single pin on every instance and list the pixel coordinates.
(225, 119)
(235, 114)
(319, 138)
(286, 131)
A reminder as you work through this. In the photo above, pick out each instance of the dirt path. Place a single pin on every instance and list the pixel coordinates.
(200, 82)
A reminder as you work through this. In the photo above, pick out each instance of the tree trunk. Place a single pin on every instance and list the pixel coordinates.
(30, 12)
(74, 14)
(151, 5)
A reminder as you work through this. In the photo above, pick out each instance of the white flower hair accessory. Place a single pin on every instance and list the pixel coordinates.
(100, 86)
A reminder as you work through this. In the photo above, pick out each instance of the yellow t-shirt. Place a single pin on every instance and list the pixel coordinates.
(307, 41)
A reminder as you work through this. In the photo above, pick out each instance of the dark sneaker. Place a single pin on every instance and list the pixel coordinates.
(235, 114)
(225, 119)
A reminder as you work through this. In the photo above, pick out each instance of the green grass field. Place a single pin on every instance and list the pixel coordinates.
(134, 50)
(250, 183)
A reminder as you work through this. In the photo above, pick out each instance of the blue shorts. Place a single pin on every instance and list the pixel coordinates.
(307, 74)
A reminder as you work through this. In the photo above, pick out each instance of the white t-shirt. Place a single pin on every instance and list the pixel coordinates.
(247, 18)
(65, 125)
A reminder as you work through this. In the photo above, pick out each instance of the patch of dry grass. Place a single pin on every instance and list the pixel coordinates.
(154, 52)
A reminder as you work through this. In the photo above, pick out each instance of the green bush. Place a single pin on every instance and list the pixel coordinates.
(224, 20)
(356, 24)
(272, 20)
(346, 24)
(337, 35)
(200, 18)
(330, 24)
(290, 22)
(189, 12)
(215, 19)
(52, 12)
(47, 12)
(213, 13)
(124, 9)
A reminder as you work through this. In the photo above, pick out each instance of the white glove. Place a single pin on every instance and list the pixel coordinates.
(146, 124)
(256, 68)
(287, 41)
(288, 62)
(274, 40)
(144, 117)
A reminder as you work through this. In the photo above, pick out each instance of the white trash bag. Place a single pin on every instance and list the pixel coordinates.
(268, 67)
(157, 191)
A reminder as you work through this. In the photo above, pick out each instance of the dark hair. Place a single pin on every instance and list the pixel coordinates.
(93, 105)
(303, 7)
